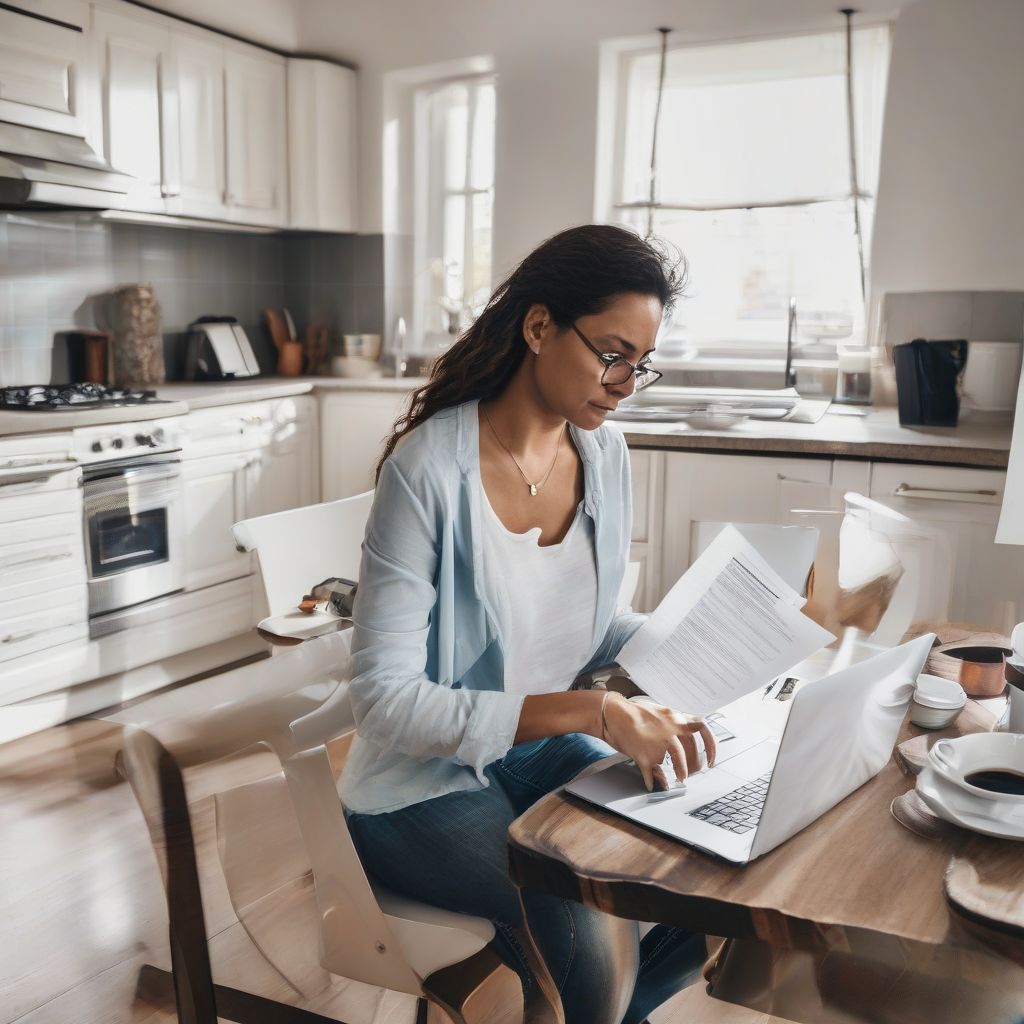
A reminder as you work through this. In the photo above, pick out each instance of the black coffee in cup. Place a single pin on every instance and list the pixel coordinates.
(997, 780)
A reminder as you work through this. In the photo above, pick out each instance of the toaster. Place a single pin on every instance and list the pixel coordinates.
(218, 349)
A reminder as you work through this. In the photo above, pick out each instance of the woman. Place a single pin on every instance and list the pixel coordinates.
(491, 568)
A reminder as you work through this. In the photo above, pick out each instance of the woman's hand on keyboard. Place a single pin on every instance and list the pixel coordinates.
(646, 731)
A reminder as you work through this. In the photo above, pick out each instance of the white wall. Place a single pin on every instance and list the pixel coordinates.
(950, 215)
(950, 212)
(546, 58)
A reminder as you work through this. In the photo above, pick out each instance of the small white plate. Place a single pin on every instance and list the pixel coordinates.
(298, 625)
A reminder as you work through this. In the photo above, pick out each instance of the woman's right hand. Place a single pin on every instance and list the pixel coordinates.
(646, 731)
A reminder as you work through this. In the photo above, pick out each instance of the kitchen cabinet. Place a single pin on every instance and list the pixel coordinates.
(138, 132)
(354, 426)
(321, 146)
(215, 499)
(701, 492)
(257, 137)
(286, 467)
(986, 581)
(647, 469)
(198, 69)
(242, 461)
(46, 72)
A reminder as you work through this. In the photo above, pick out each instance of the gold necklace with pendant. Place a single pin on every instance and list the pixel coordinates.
(534, 487)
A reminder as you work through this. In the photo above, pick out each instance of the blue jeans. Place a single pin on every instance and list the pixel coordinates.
(451, 852)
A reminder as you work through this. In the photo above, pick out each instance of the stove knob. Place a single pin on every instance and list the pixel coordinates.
(146, 439)
(118, 442)
(97, 446)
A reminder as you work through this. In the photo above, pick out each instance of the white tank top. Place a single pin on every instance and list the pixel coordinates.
(545, 599)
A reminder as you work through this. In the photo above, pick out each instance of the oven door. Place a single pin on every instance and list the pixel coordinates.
(133, 533)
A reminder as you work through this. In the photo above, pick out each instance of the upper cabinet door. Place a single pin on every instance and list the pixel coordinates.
(321, 145)
(198, 67)
(45, 72)
(139, 105)
(257, 137)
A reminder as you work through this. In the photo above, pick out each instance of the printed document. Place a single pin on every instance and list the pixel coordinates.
(729, 625)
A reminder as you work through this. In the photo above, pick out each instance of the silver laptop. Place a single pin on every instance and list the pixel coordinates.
(779, 775)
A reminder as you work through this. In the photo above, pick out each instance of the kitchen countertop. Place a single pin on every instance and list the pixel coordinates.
(185, 396)
(981, 440)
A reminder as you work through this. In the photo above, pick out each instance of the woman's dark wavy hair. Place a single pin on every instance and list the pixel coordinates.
(575, 273)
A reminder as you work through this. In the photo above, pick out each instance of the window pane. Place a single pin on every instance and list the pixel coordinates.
(455, 99)
(480, 287)
(454, 248)
(759, 121)
(745, 264)
(482, 172)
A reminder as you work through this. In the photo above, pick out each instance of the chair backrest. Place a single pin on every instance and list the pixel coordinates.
(302, 546)
(294, 703)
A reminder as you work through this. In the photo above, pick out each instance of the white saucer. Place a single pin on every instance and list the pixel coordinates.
(945, 800)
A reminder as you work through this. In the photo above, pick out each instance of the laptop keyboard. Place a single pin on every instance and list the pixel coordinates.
(738, 811)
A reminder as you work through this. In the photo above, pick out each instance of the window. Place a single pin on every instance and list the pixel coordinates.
(454, 203)
(754, 181)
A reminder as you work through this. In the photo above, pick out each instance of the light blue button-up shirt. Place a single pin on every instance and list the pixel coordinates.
(427, 668)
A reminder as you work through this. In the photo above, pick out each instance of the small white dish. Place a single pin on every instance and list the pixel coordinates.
(714, 417)
(947, 802)
(937, 702)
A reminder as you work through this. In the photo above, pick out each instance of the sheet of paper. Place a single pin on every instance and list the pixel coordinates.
(730, 624)
(1011, 519)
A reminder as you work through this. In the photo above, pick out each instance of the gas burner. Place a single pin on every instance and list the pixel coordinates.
(57, 397)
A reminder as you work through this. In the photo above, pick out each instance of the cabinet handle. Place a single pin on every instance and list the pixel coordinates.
(57, 555)
(978, 497)
(169, 193)
(12, 638)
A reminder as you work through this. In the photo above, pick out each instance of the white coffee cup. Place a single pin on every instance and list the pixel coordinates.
(956, 759)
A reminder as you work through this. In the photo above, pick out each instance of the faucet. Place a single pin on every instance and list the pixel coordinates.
(789, 380)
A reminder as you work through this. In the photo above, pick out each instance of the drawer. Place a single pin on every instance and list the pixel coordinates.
(40, 565)
(939, 492)
(32, 625)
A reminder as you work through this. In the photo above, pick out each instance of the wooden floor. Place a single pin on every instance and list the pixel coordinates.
(81, 904)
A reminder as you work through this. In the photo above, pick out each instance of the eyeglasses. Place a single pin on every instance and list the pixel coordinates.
(618, 369)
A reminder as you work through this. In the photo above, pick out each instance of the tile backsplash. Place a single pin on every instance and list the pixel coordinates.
(54, 266)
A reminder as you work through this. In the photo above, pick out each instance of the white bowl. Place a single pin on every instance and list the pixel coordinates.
(715, 417)
(937, 702)
(353, 366)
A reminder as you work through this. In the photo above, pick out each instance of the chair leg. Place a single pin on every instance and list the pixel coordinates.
(242, 1007)
(451, 987)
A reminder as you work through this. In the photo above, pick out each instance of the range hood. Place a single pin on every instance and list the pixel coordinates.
(46, 169)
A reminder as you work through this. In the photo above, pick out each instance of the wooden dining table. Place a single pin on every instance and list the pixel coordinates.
(856, 918)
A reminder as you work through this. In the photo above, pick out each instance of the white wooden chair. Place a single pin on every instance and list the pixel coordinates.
(295, 704)
(297, 549)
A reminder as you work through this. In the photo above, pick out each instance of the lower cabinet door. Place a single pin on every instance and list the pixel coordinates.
(353, 429)
(215, 499)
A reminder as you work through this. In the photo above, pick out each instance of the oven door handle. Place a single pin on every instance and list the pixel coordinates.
(34, 471)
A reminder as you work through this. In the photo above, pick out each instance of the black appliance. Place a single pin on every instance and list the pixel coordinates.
(927, 382)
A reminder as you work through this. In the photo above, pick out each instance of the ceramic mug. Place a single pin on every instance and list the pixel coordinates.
(956, 759)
